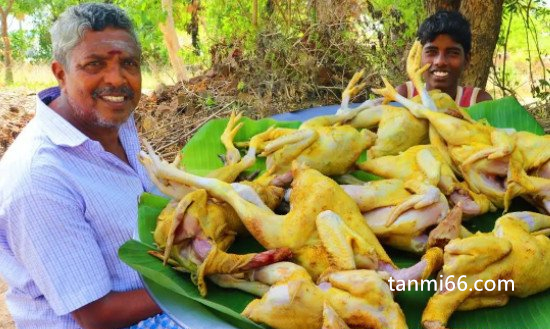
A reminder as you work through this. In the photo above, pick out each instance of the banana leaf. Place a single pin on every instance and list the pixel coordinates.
(201, 156)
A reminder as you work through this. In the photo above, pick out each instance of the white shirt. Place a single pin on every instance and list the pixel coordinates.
(66, 206)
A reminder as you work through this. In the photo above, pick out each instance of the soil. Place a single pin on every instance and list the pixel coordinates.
(6, 321)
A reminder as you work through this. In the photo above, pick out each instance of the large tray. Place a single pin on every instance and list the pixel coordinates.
(532, 312)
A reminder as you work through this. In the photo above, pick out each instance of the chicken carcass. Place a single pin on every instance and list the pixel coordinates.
(324, 229)
(194, 233)
(518, 249)
(486, 156)
(424, 163)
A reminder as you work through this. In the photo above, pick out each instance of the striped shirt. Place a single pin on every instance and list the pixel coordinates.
(66, 206)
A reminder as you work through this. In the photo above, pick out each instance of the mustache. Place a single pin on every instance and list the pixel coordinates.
(123, 91)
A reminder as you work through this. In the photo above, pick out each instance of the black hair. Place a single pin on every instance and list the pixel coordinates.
(447, 22)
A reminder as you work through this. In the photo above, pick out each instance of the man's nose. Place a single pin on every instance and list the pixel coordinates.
(114, 75)
(440, 59)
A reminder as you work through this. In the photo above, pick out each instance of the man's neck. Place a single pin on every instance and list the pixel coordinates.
(107, 136)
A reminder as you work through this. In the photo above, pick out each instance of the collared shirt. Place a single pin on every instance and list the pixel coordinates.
(66, 206)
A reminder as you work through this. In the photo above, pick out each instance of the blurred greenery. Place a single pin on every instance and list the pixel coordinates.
(312, 45)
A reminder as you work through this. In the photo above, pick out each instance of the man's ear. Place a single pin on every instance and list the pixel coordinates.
(58, 71)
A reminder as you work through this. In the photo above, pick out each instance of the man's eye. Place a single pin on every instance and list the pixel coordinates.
(93, 65)
(431, 52)
(131, 63)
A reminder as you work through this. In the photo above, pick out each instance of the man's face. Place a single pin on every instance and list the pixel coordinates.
(447, 59)
(102, 80)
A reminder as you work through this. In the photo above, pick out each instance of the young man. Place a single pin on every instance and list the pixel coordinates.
(446, 40)
(69, 184)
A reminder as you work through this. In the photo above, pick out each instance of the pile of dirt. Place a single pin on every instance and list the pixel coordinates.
(16, 110)
(170, 115)
(541, 112)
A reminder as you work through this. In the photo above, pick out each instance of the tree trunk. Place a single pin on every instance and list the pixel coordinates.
(193, 26)
(255, 13)
(434, 5)
(6, 39)
(171, 39)
(485, 18)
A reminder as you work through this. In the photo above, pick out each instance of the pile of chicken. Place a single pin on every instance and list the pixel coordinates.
(325, 264)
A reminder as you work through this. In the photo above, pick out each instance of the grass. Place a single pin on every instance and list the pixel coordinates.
(36, 77)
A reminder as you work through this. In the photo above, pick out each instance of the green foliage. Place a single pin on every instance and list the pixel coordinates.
(521, 48)
(19, 44)
(309, 46)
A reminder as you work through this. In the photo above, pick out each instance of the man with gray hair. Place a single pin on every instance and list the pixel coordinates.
(71, 180)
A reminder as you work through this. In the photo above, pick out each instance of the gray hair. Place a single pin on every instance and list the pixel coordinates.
(69, 28)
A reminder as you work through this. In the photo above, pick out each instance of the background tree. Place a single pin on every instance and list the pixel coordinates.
(168, 29)
(5, 9)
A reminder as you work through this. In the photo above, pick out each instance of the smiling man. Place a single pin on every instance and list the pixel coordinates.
(69, 184)
(446, 39)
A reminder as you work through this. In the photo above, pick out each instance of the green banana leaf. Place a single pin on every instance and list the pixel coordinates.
(201, 157)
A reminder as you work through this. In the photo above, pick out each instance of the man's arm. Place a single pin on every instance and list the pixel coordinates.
(116, 310)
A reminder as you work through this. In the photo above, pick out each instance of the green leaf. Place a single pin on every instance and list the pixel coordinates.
(228, 302)
(506, 112)
(201, 152)
(201, 156)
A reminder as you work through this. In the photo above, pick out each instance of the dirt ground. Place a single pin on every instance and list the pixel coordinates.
(6, 321)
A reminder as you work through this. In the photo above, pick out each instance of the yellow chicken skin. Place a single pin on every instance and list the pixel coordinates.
(325, 143)
(477, 149)
(234, 164)
(397, 128)
(535, 151)
(358, 298)
(194, 233)
(330, 148)
(400, 216)
(517, 249)
(331, 320)
(424, 163)
(324, 229)
(302, 229)
(361, 299)
(397, 131)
